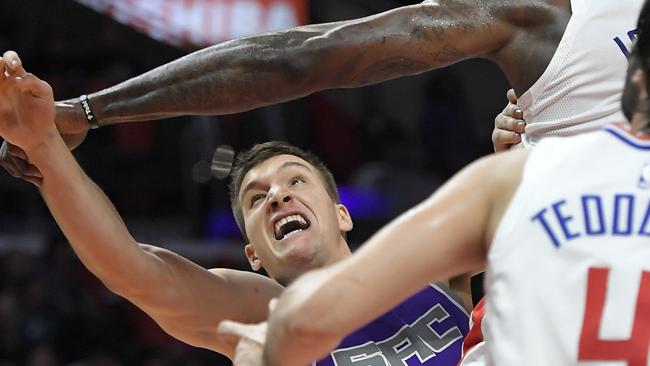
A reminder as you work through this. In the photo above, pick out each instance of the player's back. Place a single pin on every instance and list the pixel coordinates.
(569, 268)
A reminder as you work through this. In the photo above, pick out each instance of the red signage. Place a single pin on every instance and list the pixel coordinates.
(199, 23)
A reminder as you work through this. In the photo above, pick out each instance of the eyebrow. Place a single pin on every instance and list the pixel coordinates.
(285, 165)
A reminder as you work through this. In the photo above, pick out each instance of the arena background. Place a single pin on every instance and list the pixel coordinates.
(389, 146)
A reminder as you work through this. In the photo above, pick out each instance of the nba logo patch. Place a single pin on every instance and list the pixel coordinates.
(644, 181)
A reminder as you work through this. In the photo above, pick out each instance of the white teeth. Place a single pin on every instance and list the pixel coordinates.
(291, 233)
(298, 217)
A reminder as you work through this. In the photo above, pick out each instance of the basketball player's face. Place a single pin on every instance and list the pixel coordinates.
(291, 221)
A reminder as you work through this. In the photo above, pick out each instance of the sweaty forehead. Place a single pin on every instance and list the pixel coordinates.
(272, 167)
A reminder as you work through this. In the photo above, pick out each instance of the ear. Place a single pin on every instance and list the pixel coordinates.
(255, 263)
(345, 220)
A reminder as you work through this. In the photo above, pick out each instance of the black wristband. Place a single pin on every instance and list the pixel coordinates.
(90, 117)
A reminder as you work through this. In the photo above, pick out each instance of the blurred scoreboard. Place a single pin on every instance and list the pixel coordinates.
(198, 23)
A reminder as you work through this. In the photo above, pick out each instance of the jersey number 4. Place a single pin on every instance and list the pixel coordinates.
(633, 350)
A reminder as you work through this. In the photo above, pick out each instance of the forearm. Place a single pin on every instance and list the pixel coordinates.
(290, 329)
(247, 73)
(231, 77)
(87, 218)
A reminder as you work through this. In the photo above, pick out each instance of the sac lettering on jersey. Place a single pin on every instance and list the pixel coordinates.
(427, 329)
(418, 339)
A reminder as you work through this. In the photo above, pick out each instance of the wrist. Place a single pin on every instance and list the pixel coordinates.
(44, 147)
(88, 114)
(70, 117)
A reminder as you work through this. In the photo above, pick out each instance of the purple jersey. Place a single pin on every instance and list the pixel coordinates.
(426, 329)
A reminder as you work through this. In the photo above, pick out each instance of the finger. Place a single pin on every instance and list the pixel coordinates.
(18, 159)
(272, 304)
(19, 166)
(38, 182)
(513, 110)
(7, 160)
(503, 122)
(16, 151)
(512, 97)
(14, 64)
(503, 140)
(31, 171)
(10, 167)
(229, 327)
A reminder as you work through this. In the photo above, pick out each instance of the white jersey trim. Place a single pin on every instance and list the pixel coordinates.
(447, 292)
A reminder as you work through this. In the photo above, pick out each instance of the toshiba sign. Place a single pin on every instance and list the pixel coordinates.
(203, 22)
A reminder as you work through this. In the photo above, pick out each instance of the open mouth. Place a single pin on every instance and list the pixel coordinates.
(290, 225)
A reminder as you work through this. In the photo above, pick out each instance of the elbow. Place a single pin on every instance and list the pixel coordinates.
(131, 282)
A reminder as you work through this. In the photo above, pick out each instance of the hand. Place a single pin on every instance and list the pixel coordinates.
(14, 160)
(70, 122)
(26, 108)
(250, 339)
(508, 125)
(70, 119)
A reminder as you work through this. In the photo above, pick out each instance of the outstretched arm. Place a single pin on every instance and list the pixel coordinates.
(186, 300)
(269, 68)
(446, 235)
(256, 71)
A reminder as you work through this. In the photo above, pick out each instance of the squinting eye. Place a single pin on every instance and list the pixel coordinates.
(297, 180)
(256, 198)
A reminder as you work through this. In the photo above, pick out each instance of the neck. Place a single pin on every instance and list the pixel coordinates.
(341, 252)
(640, 123)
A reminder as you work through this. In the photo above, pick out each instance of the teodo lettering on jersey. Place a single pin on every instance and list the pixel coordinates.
(615, 215)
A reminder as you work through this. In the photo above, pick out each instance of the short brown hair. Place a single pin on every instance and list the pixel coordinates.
(248, 159)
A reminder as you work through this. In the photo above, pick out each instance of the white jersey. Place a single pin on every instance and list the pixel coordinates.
(568, 278)
(581, 88)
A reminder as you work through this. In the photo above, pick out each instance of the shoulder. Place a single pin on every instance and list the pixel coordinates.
(502, 167)
(506, 171)
(500, 175)
(254, 283)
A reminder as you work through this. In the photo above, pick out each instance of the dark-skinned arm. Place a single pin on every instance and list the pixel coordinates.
(256, 71)
(252, 72)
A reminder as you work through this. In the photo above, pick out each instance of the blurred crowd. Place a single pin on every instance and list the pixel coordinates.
(55, 312)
